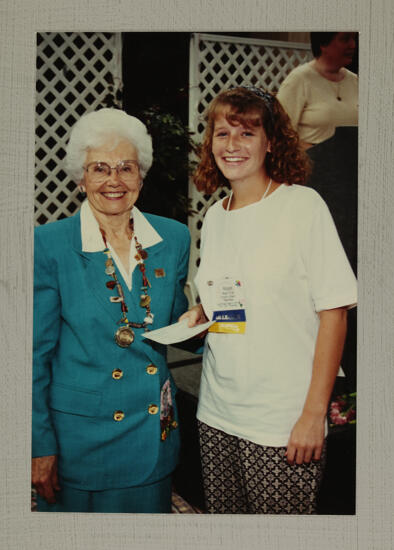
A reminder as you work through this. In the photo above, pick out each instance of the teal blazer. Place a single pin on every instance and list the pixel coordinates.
(74, 354)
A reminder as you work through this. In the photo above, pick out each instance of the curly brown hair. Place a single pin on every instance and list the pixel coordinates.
(285, 163)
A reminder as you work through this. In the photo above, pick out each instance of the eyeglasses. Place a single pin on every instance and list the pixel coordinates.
(127, 171)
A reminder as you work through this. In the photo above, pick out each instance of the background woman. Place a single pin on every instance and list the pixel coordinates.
(322, 95)
(271, 247)
(105, 435)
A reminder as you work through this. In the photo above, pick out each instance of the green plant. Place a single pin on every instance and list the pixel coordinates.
(165, 190)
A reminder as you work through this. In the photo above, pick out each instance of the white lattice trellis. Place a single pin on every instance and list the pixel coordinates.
(76, 73)
(218, 62)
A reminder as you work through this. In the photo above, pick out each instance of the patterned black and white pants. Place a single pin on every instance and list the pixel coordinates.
(241, 477)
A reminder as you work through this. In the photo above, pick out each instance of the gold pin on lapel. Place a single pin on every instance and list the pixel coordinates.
(160, 273)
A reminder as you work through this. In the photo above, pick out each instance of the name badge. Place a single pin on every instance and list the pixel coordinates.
(228, 306)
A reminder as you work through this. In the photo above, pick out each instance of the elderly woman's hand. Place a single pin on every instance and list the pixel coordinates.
(44, 477)
(195, 316)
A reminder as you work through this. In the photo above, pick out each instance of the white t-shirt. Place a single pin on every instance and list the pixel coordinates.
(311, 102)
(286, 251)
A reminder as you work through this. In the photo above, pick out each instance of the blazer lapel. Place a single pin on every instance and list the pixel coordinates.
(94, 264)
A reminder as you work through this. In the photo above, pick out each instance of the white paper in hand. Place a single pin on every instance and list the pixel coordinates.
(177, 332)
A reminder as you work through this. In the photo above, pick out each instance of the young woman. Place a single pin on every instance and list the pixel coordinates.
(274, 274)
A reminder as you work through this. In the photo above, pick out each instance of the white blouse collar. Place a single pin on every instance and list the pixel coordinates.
(92, 240)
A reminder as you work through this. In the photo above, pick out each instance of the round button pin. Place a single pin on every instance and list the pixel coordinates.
(118, 416)
(117, 374)
(151, 369)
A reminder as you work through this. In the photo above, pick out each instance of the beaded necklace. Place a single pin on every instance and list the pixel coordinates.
(124, 336)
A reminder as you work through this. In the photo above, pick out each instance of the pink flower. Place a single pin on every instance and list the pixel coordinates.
(351, 414)
(339, 419)
(334, 409)
(343, 409)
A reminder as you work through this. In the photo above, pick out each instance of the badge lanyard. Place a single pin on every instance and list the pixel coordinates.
(237, 253)
(227, 291)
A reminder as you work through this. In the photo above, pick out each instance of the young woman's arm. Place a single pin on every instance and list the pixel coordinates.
(307, 436)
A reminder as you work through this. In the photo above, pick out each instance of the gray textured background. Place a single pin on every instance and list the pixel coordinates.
(372, 527)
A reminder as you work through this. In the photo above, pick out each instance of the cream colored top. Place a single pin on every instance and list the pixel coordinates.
(311, 102)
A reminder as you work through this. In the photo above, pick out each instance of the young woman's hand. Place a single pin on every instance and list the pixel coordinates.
(307, 436)
(306, 439)
(195, 316)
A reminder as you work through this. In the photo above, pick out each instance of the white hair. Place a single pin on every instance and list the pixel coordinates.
(94, 129)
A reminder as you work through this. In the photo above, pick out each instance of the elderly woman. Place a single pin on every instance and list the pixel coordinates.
(274, 277)
(105, 435)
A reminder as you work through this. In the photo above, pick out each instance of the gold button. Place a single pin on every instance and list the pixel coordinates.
(118, 416)
(153, 409)
(117, 374)
(151, 369)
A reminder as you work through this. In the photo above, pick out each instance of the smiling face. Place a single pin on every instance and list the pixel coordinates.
(112, 196)
(239, 150)
(341, 49)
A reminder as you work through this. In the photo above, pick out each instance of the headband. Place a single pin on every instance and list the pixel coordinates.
(265, 96)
